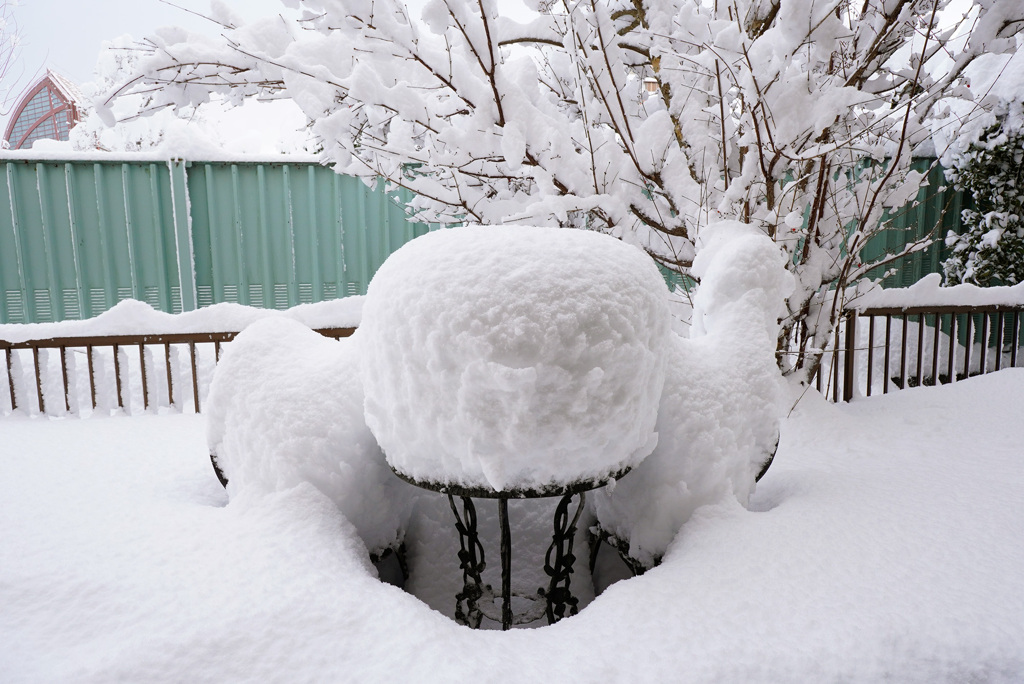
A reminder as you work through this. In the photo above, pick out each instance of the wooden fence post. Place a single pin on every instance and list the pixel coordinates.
(849, 368)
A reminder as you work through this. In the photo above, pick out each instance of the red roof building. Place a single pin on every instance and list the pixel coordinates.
(47, 111)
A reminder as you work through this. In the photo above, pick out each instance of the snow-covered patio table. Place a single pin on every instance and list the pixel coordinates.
(514, 362)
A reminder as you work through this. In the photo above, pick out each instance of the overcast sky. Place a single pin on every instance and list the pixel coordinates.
(65, 35)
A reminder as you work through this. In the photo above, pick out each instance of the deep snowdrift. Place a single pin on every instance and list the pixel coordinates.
(885, 544)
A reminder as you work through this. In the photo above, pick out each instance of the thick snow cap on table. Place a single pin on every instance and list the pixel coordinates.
(286, 407)
(718, 422)
(512, 357)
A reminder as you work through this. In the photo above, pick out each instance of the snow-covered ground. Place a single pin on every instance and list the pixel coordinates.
(886, 543)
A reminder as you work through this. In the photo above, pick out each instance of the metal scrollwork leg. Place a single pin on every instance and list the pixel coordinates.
(506, 564)
(560, 600)
(471, 562)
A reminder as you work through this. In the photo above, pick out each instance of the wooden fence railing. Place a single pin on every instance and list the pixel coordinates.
(905, 347)
(113, 350)
(892, 348)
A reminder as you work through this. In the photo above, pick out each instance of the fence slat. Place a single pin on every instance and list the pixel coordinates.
(122, 370)
(39, 381)
(835, 368)
(145, 385)
(920, 350)
(983, 367)
(10, 379)
(170, 381)
(989, 328)
(849, 367)
(92, 376)
(64, 377)
(968, 327)
(999, 340)
(195, 376)
(871, 351)
(888, 350)
(1016, 339)
(903, 354)
(117, 374)
(952, 349)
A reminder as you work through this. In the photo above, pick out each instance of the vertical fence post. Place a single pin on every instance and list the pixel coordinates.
(969, 327)
(195, 376)
(903, 352)
(951, 364)
(919, 369)
(107, 249)
(50, 245)
(159, 233)
(39, 381)
(130, 237)
(849, 366)
(64, 377)
(834, 365)
(999, 340)
(80, 289)
(264, 242)
(10, 379)
(180, 208)
(170, 380)
(293, 288)
(117, 375)
(240, 238)
(1015, 339)
(888, 353)
(871, 352)
(142, 371)
(92, 377)
(983, 362)
(28, 303)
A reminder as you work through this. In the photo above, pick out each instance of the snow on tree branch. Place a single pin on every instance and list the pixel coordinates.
(797, 116)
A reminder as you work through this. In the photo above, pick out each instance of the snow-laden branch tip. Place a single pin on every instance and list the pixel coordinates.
(758, 110)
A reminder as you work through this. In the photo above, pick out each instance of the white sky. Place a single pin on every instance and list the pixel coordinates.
(65, 35)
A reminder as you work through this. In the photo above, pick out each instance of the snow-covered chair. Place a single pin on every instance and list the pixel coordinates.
(718, 421)
(286, 407)
(515, 362)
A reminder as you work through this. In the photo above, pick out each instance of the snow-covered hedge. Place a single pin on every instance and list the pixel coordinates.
(991, 169)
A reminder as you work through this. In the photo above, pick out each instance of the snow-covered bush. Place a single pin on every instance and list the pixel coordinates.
(718, 421)
(516, 357)
(763, 111)
(218, 127)
(990, 251)
(286, 407)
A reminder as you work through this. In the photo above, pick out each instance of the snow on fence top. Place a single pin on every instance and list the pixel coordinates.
(928, 293)
(132, 317)
(63, 153)
(514, 358)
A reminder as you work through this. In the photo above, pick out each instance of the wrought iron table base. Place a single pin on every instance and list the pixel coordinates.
(558, 565)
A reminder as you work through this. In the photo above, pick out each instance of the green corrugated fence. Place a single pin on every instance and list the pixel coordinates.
(934, 212)
(78, 236)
